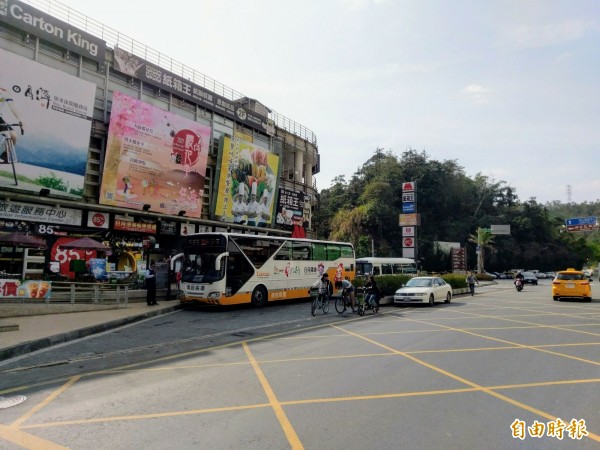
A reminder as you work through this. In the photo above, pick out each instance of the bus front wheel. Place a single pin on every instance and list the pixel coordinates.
(259, 296)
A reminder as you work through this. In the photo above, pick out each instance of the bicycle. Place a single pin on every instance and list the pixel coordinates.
(319, 301)
(364, 306)
(343, 301)
(8, 153)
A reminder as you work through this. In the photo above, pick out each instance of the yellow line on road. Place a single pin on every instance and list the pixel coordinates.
(146, 416)
(464, 381)
(26, 440)
(275, 404)
(46, 401)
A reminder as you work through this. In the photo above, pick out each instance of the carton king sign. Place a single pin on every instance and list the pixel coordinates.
(97, 220)
(52, 29)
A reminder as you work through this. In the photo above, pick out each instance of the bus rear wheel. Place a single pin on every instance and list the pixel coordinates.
(259, 297)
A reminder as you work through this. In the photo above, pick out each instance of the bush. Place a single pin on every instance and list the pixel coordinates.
(455, 280)
(388, 284)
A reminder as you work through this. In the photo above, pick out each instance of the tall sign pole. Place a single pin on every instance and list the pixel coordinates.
(409, 220)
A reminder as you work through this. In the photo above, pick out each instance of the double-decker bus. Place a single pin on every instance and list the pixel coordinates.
(385, 266)
(233, 268)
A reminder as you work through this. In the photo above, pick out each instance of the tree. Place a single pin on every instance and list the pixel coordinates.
(483, 238)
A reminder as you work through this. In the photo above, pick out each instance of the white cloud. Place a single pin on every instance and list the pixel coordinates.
(476, 93)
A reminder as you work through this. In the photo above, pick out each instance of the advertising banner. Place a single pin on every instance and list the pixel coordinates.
(25, 289)
(247, 183)
(155, 158)
(290, 208)
(56, 112)
(141, 69)
(38, 23)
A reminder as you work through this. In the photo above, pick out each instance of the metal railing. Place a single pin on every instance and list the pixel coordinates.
(114, 38)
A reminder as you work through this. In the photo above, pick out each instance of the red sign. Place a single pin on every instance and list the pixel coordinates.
(409, 242)
(408, 186)
(186, 147)
(98, 220)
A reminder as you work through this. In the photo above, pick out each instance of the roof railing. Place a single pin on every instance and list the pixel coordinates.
(115, 39)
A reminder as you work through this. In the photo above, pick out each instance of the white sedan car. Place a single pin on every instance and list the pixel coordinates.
(424, 290)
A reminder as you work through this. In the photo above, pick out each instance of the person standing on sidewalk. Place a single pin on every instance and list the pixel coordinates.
(151, 285)
(471, 280)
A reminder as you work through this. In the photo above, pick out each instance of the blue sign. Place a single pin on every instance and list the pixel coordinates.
(582, 221)
(408, 207)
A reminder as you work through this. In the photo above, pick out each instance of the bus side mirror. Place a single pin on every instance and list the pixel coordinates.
(218, 260)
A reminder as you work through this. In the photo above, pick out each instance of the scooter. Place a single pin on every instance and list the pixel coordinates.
(519, 284)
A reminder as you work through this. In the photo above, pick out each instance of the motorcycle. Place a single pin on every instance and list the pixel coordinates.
(519, 284)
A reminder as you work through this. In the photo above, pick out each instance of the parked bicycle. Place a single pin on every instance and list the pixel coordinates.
(319, 301)
(343, 301)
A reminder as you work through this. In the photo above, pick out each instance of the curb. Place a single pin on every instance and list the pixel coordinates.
(39, 344)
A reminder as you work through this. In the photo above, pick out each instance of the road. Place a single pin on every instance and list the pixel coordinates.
(472, 374)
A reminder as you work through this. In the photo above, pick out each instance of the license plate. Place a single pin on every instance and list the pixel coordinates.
(570, 285)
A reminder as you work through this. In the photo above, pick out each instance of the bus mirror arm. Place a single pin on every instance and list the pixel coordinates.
(175, 258)
(218, 260)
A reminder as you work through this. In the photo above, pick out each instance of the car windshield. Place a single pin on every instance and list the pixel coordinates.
(419, 282)
(570, 276)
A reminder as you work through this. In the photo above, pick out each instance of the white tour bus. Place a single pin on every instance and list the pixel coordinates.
(385, 266)
(234, 268)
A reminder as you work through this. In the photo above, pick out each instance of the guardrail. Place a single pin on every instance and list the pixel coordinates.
(94, 293)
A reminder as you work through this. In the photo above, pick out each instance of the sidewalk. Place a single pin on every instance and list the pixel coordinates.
(24, 334)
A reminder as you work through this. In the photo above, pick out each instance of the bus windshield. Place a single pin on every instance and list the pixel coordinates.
(204, 263)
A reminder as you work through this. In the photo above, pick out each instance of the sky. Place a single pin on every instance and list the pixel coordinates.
(509, 89)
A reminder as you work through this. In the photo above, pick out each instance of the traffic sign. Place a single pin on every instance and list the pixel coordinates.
(592, 220)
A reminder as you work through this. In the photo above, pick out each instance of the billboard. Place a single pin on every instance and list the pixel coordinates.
(247, 182)
(141, 69)
(154, 158)
(56, 112)
(290, 208)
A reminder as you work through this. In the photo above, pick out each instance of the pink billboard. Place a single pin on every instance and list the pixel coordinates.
(155, 158)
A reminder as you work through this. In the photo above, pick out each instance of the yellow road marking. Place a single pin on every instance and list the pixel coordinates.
(465, 381)
(26, 440)
(46, 401)
(274, 402)
(147, 416)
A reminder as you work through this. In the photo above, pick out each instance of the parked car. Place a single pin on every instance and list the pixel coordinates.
(571, 283)
(550, 275)
(424, 290)
(500, 275)
(529, 278)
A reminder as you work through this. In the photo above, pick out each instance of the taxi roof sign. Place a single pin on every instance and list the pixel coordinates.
(409, 186)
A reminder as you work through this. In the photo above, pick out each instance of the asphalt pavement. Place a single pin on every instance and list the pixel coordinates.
(39, 329)
(21, 334)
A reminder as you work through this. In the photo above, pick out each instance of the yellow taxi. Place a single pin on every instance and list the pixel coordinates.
(571, 283)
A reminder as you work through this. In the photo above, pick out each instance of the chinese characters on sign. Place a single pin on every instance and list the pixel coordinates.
(39, 213)
(575, 429)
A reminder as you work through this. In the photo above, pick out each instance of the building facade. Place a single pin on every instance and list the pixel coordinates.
(124, 145)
